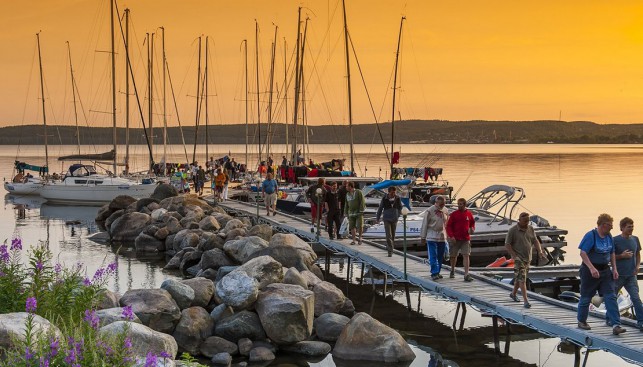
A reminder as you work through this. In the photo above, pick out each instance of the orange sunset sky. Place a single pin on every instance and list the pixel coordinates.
(460, 60)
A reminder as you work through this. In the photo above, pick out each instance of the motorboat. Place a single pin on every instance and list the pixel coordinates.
(597, 304)
(82, 185)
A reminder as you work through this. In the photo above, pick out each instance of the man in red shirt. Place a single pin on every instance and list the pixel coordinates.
(460, 226)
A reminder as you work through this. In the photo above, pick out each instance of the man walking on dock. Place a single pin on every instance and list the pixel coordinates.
(269, 189)
(355, 206)
(333, 214)
(390, 207)
(314, 199)
(519, 241)
(460, 227)
(597, 252)
(627, 249)
(435, 234)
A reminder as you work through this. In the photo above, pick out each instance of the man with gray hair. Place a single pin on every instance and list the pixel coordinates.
(435, 234)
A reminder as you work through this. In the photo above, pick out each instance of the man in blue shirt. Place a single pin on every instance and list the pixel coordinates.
(597, 252)
(628, 257)
(269, 190)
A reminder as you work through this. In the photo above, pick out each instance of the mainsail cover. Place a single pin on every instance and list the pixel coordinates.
(107, 156)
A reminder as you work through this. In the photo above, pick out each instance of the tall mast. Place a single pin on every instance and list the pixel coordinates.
(257, 73)
(205, 93)
(296, 106)
(73, 92)
(127, 91)
(286, 92)
(150, 74)
(272, 76)
(301, 81)
(114, 137)
(198, 89)
(42, 97)
(245, 44)
(164, 103)
(348, 86)
(397, 55)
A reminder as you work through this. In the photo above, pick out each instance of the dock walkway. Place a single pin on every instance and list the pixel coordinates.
(547, 315)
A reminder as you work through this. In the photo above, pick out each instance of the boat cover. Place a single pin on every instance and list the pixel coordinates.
(107, 156)
(388, 183)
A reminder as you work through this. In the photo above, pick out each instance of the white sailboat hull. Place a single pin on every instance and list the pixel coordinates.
(26, 188)
(93, 195)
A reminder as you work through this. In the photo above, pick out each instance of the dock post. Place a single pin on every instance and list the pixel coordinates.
(408, 295)
(327, 263)
(385, 284)
(496, 339)
(348, 274)
(586, 356)
(507, 339)
(457, 312)
(576, 356)
(361, 276)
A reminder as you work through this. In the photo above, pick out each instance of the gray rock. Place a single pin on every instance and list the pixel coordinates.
(266, 344)
(129, 226)
(103, 213)
(235, 234)
(214, 345)
(209, 223)
(261, 354)
(263, 231)
(154, 307)
(106, 299)
(145, 340)
(214, 259)
(210, 241)
(164, 191)
(182, 294)
(317, 271)
(367, 339)
(203, 290)
(241, 249)
(175, 261)
(188, 222)
(151, 229)
(347, 309)
(151, 207)
(286, 312)
(329, 325)
(311, 278)
(148, 244)
(222, 218)
(221, 359)
(309, 348)
(290, 251)
(264, 269)
(121, 202)
(232, 224)
(113, 215)
(159, 215)
(245, 346)
(238, 290)
(144, 203)
(111, 315)
(225, 270)
(208, 274)
(244, 324)
(13, 328)
(293, 276)
(162, 234)
(220, 312)
(195, 326)
(190, 240)
(328, 298)
(173, 225)
(188, 260)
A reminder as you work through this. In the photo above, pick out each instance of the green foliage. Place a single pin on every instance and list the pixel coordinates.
(190, 361)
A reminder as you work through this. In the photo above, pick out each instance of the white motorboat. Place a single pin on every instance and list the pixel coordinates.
(597, 304)
(83, 186)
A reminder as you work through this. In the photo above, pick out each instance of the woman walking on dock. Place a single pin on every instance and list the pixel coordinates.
(435, 234)
(390, 207)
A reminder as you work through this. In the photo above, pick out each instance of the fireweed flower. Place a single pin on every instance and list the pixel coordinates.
(16, 244)
(165, 354)
(39, 266)
(4, 254)
(92, 319)
(58, 268)
(127, 313)
(31, 305)
(53, 347)
(111, 268)
(87, 282)
(28, 354)
(151, 360)
(127, 343)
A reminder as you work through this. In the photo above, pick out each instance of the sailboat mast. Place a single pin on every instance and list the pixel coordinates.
(348, 86)
(258, 93)
(164, 103)
(205, 93)
(73, 93)
(198, 89)
(296, 106)
(286, 92)
(245, 44)
(272, 76)
(127, 91)
(303, 85)
(150, 74)
(42, 97)
(397, 56)
(114, 137)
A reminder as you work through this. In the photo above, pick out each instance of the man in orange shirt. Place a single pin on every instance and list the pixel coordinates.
(460, 227)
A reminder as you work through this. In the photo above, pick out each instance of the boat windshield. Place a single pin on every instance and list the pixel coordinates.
(79, 170)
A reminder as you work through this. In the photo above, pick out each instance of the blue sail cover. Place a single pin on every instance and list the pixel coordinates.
(388, 183)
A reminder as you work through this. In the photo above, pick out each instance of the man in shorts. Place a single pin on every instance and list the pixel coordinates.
(314, 199)
(627, 249)
(355, 206)
(269, 190)
(460, 227)
(519, 242)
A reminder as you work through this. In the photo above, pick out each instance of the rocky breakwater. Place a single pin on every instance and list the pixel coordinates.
(253, 293)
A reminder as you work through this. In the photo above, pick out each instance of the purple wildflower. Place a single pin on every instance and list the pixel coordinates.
(151, 359)
(39, 266)
(165, 354)
(127, 313)
(58, 268)
(16, 244)
(98, 275)
(111, 268)
(44, 362)
(92, 319)
(4, 254)
(87, 282)
(127, 344)
(28, 354)
(31, 305)
(53, 347)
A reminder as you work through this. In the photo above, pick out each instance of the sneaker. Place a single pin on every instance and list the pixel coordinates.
(312, 229)
(514, 297)
(468, 278)
(527, 305)
(584, 326)
(618, 330)
(452, 274)
(440, 276)
(435, 276)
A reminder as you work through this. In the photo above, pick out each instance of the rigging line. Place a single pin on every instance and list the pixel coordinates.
(24, 109)
(359, 67)
(417, 68)
(455, 195)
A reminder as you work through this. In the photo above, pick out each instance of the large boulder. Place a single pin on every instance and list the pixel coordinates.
(182, 294)
(241, 249)
(290, 251)
(222, 218)
(121, 202)
(308, 348)
(220, 312)
(129, 226)
(236, 233)
(329, 325)
(112, 315)
(148, 244)
(286, 312)
(145, 340)
(178, 202)
(328, 298)
(232, 224)
(311, 278)
(154, 307)
(367, 339)
(175, 261)
(106, 299)
(215, 345)
(261, 354)
(244, 324)
(173, 225)
(164, 191)
(13, 327)
(293, 276)
(209, 223)
(263, 231)
(103, 213)
(264, 269)
(195, 326)
(238, 290)
(143, 203)
(210, 241)
(203, 290)
(189, 260)
(214, 259)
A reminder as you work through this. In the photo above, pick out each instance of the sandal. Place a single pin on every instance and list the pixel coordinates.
(352, 243)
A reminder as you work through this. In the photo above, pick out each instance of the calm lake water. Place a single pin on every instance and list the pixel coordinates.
(570, 185)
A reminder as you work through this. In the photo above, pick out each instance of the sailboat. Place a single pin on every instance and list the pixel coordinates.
(22, 184)
(82, 185)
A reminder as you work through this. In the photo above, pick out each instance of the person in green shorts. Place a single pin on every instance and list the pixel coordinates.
(355, 206)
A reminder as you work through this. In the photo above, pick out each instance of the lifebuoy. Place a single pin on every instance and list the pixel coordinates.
(282, 195)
